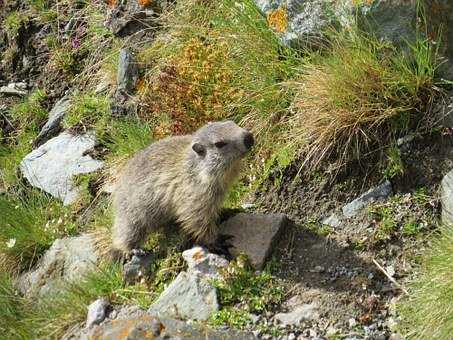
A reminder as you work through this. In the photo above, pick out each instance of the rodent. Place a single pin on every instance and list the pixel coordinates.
(181, 179)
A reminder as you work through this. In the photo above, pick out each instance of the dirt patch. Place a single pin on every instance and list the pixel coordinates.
(333, 267)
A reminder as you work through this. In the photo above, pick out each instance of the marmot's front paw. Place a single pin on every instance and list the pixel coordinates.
(136, 252)
(221, 246)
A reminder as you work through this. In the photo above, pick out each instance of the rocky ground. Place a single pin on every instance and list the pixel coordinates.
(329, 253)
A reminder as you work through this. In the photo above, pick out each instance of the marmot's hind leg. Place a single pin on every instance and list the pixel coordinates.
(127, 235)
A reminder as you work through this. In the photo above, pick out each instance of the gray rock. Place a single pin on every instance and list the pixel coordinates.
(52, 166)
(66, 261)
(136, 268)
(302, 23)
(380, 192)
(254, 235)
(14, 89)
(129, 17)
(203, 263)
(332, 221)
(97, 312)
(150, 327)
(127, 71)
(52, 125)
(395, 21)
(391, 20)
(189, 296)
(306, 312)
(447, 199)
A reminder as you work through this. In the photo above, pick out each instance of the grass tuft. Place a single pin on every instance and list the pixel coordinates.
(428, 311)
(358, 94)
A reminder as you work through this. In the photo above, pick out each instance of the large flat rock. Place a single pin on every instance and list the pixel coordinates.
(51, 167)
(67, 260)
(447, 199)
(254, 235)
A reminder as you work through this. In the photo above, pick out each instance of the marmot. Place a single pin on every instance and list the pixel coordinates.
(180, 179)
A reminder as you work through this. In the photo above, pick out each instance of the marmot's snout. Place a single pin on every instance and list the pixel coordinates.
(248, 140)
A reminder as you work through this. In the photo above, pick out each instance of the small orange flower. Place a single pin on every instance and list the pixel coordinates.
(145, 3)
(278, 19)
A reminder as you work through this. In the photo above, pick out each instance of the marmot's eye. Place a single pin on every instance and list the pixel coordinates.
(220, 144)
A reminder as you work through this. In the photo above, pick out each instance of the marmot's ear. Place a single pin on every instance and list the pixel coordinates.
(199, 149)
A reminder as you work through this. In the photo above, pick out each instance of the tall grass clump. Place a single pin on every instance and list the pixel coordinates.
(353, 97)
(428, 311)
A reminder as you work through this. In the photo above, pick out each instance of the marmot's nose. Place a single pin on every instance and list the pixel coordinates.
(248, 140)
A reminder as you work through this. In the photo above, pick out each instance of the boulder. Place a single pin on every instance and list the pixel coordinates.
(52, 125)
(51, 167)
(443, 110)
(189, 296)
(67, 260)
(203, 263)
(390, 20)
(151, 327)
(381, 192)
(301, 23)
(254, 235)
(447, 199)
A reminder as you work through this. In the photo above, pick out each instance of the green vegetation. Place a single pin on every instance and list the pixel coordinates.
(395, 165)
(29, 226)
(13, 22)
(357, 94)
(407, 215)
(89, 111)
(242, 291)
(427, 312)
(51, 316)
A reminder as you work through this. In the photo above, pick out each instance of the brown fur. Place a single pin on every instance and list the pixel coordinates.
(178, 179)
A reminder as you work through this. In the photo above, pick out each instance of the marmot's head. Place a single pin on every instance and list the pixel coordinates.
(218, 146)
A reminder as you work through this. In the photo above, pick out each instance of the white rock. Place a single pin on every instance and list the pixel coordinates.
(97, 312)
(51, 167)
(204, 263)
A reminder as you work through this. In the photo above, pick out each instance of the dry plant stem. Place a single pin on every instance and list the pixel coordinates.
(390, 277)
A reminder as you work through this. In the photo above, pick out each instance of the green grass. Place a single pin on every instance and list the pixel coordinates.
(242, 291)
(52, 315)
(89, 111)
(30, 224)
(428, 311)
(394, 164)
